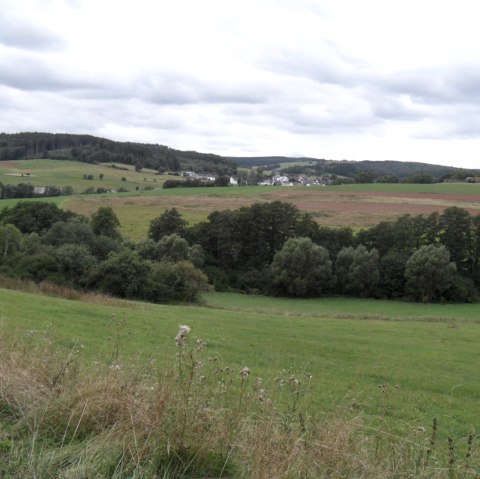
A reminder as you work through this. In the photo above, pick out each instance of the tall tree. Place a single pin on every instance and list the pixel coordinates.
(169, 222)
(456, 235)
(104, 222)
(357, 271)
(10, 241)
(301, 268)
(429, 273)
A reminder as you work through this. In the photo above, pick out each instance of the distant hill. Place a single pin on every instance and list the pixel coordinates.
(377, 169)
(91, 149)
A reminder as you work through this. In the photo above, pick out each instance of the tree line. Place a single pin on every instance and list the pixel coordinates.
(40, 242)
(275, 249)
(270, 248)
(27, 190)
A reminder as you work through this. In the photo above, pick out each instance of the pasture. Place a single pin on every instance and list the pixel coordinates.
(394, 365)
(71, 173)
(357, 206)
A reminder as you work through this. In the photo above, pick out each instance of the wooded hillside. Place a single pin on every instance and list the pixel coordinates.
(91, 149)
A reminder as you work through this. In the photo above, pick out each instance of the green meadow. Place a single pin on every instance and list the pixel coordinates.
(71, 173)
(395, 365)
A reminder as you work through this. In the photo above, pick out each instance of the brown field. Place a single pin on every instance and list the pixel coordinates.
(7, 163)
(333, 208)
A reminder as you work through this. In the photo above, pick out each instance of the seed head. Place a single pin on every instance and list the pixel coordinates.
(181, 336)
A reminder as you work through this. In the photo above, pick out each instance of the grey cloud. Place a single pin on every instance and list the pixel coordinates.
(407, 96)
(174, 88)
(322, 67)
(17, 33)
(28, 72)
(455, 84)
(306, 123)
(393, 107)
(307, 120)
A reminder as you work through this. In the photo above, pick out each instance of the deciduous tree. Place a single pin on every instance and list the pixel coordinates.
(301, 268)
(429, 273)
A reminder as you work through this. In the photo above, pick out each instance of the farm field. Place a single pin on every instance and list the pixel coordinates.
(332, 206)
(394, 365)
(70, 173)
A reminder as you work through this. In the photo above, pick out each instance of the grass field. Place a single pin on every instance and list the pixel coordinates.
(70, 173)
(396, 365)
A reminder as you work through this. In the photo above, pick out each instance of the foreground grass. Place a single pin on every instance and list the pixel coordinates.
(102, 390)
(192, 417)
(394, 374)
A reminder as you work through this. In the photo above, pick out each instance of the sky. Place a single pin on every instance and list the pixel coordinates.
(334, 79)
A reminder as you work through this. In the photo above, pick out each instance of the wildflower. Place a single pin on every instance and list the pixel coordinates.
(182, 335)
(261, 395)
(244, 372)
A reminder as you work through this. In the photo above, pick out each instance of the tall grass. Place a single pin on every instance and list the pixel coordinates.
(191, 417)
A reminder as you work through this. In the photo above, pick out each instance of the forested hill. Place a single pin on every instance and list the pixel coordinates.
(402, 169)
(91, 149)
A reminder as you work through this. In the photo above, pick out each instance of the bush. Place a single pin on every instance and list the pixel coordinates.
(122, 274)
(174, 282)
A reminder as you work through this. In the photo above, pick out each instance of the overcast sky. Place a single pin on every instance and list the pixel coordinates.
(338, 79)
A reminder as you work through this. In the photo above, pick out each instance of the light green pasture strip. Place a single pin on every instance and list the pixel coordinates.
(396, 374)
(342, 307)
(437, 188)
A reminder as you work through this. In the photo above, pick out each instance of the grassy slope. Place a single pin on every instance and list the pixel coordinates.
(434, 363)
(70, 173)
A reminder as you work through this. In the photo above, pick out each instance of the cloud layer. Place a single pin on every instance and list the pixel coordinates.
(299, 77)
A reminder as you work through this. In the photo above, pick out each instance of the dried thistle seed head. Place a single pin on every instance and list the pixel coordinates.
(184, 330)
(182, 334)
(244, 372)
